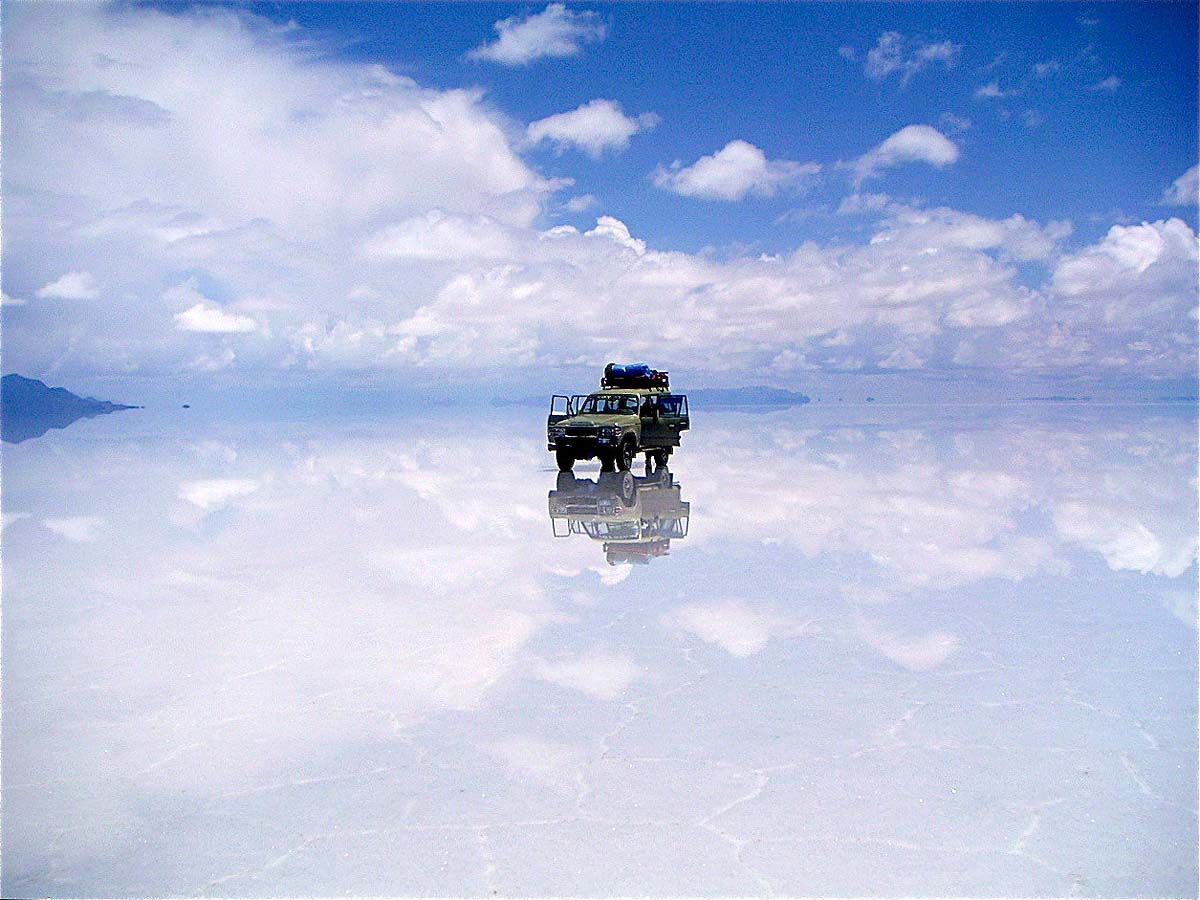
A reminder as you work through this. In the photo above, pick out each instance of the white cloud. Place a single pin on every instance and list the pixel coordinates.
(1127, 303)
(554, 32)
(737, 169)
(1047, 68)
(294, 142)
(439, 236)
(901, 358)
(894, 54)
(1184, 190)
(912, 143)
(315, 180)
(593, 127)
(991, 91)
(954, 122)
(1110, 84)
(864, 203)
(6, 300)
(77, 529)
(582, 203)
(599, 674)
(213, 493)
(205, 317)
(71, 286)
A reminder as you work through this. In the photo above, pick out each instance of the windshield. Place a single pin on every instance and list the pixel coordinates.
(609, 403)
(620, 531)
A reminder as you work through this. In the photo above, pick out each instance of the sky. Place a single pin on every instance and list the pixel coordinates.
(501, 193)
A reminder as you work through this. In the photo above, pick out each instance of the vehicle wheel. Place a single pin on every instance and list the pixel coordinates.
(566, 461)
(660, 459)
(628, 488)
(625, 455)
(606, 461)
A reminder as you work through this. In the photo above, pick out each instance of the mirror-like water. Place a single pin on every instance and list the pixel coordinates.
(855, 651)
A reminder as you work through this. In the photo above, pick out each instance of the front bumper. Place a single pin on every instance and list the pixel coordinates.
(581, 446)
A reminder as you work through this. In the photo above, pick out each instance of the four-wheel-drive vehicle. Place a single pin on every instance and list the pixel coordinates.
(633, 412)
(635, 518)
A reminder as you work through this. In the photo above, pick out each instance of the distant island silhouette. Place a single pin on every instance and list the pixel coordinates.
(746, 396)
(28, 408)
(720, 398)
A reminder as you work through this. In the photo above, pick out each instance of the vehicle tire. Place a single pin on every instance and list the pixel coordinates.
(566, 461)
(628, 488)
(625, 454)
(606, 460)
(660, 458)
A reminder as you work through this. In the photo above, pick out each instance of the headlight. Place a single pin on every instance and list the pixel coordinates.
(610, 431)
(557, 431)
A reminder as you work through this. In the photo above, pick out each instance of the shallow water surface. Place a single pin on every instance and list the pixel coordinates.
(853, 651)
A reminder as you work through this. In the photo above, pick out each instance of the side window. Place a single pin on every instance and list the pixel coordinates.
(671, 406)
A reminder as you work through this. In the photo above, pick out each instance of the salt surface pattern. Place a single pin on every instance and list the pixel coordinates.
(900, 651)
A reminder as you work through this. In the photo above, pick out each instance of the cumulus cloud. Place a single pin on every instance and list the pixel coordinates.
(592, 127)
(441, 236)
(77, 529)
(912, 143)
(1184, 190)
(212, 319)
(894, 54)
(737, 169)
(901, 358)
(990, 91)
(333, 216)
(582, 203)
(555, 32)
(214, 493)
(71, 286)
(1126, 303)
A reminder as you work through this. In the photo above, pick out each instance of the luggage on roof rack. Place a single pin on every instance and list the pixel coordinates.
(633, 376)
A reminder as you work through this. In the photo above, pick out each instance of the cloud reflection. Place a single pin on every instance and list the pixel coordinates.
(352, 599)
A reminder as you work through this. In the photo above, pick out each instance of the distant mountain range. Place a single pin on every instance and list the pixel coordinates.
(746, 396)
(28, 408)
(724, 398)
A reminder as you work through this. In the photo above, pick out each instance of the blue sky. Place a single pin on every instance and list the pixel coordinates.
(772, 74)
(766, 192)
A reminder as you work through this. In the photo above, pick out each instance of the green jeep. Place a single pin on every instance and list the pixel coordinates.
(633, 412)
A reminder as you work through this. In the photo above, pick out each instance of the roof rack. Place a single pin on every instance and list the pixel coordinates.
(638, 375)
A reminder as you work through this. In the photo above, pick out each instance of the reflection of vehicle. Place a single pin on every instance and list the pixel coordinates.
(634, 517)
(633, 412)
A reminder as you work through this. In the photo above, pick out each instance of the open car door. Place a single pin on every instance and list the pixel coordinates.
(561, 408)
(663, 420)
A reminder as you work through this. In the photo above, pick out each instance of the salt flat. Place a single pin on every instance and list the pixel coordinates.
(884, 651)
